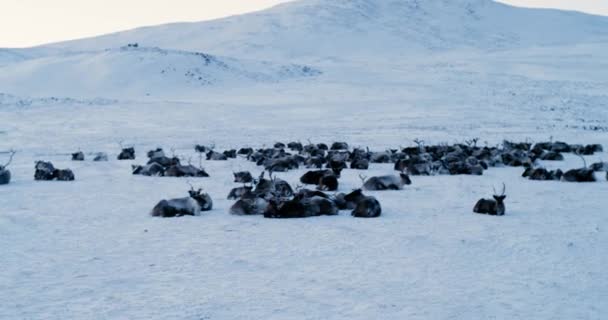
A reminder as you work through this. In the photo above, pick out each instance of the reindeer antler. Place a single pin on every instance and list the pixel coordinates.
(10, 158)
(362, 177)
(582, 158)
(504, 189)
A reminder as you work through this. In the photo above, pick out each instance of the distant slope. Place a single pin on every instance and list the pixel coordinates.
(338, 28)
(129, 71)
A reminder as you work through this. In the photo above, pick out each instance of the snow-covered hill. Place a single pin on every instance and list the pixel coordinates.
(346, 38)
(136, 72)
(339, 28)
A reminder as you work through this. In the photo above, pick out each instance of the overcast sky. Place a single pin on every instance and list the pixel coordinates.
(31, 22)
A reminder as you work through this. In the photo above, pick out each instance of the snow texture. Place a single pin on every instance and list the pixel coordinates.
(371, 73)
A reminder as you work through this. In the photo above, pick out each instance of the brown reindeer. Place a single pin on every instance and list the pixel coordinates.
(495, 207)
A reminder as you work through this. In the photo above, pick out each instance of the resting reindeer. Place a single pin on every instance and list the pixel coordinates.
(368, 207)
(584, 174)
(45, 171)
(190, 206)
(100, 156)
(300, 206)
(326, 180)
(127, 154)
(78, 156)
(5, 174)
(390, 182)
(243, 177)
(494, 207)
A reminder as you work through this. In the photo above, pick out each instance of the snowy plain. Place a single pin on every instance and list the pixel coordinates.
(89, 250)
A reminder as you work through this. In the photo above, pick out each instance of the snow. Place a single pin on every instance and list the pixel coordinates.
(89, 250)
(339, 28)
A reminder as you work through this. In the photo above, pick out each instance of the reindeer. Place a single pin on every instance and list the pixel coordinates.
(158, 156)
(273, 187)
(185, 171)
(494, 207)
(542, 174)
(243, 177)
(389, 182)
(100, 156)
(380, 157)
(313, 177)
(5, 174)
(584, 174)
(152, 169)
(45, 171)
(78, 156)
(300, 207)
(193, 205)
(328, 183)
(245, 152)
(201, 149)
(247, 206)
(282, 164)
(368, 207)
(156, 153)
(295, 146)
(216, 156)
(359, 164)
(315, 162)
(339, 146)
(349, 201)
(230, 153)
(127, 154)
(64, 175)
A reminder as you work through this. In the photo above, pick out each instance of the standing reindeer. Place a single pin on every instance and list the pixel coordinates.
(5, 174)
(494, 207)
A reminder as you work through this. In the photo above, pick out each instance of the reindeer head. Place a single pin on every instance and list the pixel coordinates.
(405, 178)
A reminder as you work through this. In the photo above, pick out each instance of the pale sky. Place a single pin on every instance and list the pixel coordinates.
(31, 22)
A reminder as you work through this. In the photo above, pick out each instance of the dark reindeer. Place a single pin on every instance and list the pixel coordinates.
(300, 207)
(349, 201)
(243, 177)
(326, 180)
(494, 207)
(127, 154)
(584, 174)
(78, 156)
(193, 205)
(368, 207)
(214, 155)
(5, 174)
(45, 171)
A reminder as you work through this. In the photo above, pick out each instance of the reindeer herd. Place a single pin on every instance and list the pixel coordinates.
(273, 197)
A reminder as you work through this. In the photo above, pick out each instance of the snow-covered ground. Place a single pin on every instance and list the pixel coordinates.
(89, 250)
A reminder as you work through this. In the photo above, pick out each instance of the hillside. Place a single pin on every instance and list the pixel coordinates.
(136, 72)
(346, 28)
